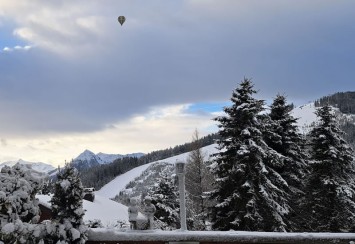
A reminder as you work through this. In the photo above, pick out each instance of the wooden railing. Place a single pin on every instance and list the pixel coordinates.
(111, 236)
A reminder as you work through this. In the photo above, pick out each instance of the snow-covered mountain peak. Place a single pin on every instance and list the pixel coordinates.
(86, 155)
(89, 159)
(38, 166)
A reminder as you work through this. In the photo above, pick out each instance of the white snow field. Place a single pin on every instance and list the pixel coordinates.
(106, 210)
(305, 115)
(111, 189)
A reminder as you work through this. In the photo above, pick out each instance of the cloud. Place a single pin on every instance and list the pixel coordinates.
(159, 128)
(58, 26)
(7, 49)
(17, 48)
(86, 73)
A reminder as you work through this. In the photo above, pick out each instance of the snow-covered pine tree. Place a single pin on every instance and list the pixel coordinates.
(67, 207)
(48, 186)
(282, 135)
(198, 181)
(164, 197)
(250, 194)
(19, 209)
(330, 187)
(18, 187)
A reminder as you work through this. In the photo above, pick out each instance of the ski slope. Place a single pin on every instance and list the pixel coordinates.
(111, 189)
(305, 116)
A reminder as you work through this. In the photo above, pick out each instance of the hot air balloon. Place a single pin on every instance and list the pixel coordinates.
(121, 19)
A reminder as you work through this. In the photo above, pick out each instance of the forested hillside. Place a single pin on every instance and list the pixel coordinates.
(345, 102)
(100, 175)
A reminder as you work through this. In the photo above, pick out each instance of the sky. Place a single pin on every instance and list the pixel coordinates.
(72, 78)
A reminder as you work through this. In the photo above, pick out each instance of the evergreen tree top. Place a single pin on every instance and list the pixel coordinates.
(243, 112)
(243, 95)
(279, 108)
(326, 116)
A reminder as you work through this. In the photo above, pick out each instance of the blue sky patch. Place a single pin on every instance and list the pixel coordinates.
(208, 107)
(7, 38)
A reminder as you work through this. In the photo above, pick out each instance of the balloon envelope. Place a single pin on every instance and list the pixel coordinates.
(121, 19)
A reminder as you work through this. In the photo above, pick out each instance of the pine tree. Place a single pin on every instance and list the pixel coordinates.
(165, 198)
(282, 135)
(18, 188)
(330, 187)
(67, 207)
(19, 209)
(198, 181)
(250, 194)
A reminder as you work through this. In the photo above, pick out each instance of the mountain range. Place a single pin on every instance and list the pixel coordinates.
(88, 159)
(84, 160)
(38, 166)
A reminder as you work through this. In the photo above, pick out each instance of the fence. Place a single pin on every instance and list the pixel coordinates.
(105, 236)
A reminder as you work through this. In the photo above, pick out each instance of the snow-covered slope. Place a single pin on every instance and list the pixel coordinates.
(38, 166)
(111, 189)
(306, 116)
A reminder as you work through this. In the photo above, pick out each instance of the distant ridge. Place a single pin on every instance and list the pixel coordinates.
(38, 166)
(345, 101)
(88, 159)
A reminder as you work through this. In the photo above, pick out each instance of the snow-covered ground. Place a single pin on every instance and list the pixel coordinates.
(118, 184)
(104, 209)
(305, 115)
